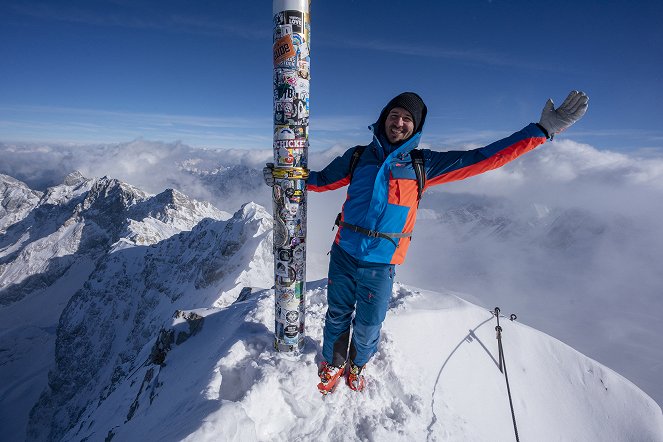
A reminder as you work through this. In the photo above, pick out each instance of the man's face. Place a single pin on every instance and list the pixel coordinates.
(398, 125)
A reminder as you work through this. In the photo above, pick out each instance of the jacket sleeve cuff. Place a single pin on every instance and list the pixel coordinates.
(545, 132)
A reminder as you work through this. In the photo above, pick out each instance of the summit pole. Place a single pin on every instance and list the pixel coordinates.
(291, 115)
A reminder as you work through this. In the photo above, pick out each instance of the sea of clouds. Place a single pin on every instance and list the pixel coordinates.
(568, 236)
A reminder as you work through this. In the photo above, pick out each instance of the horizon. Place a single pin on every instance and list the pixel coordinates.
(113, 71)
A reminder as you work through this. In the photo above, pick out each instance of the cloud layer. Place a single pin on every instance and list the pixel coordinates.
(567, 237)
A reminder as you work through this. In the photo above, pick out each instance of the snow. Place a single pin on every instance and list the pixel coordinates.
(435, 377)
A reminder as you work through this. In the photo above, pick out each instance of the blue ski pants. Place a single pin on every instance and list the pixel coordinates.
(355, 287)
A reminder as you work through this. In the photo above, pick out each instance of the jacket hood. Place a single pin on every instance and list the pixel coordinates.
(378, 126)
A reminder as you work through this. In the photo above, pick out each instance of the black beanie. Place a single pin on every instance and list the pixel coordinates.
(412, 103)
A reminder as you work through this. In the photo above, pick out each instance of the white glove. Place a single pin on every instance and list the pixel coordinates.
(268, 174)
(557, 120)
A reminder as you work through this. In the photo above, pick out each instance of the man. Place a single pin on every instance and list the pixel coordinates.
(378, 216)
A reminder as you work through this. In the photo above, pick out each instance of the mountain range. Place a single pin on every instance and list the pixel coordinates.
(131, 316)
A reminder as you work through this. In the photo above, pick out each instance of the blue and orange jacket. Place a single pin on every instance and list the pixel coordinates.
(383, 193)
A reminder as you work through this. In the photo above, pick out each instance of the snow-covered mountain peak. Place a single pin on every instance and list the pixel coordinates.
(194, 385)
(112, 194)
(74, 179)
(256, 212)
(72, 239)
(73, 186)
(16, 201)
(130, 293)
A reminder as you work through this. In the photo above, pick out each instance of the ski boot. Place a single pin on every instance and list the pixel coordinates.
(329, 376)
(355, 379)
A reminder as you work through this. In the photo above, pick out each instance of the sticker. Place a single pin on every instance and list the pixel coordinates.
(301, 104)
(284, 133)
(294, 242)
(300, 132)
(279, 18)
(291, 341)
(296, 20)
(283, 50)
(285, 91)
(292, 316)
(285, 255)
(296, 228)
(281, 269)
(299, 272)
(287, 132)
(286, 277)
(281, 31)
(291, 331)
(286, 185)
(280, 233)
(302, 88)
(300, 46)
(292, 18)
(285, 112)
(291, 78)
(289, 211)
(291, 305)
(298, 253)
(304, 70)
(290, 144)
(284, 157)
(289, 157)
(285, 295)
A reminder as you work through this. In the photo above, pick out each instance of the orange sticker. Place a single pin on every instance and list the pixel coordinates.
(283, 49)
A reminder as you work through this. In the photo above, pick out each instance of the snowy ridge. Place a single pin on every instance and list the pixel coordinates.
(86, 217)
(52, 243)
(223, 381)
(122, 305)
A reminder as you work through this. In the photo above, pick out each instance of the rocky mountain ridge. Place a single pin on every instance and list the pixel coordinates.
(52, 242)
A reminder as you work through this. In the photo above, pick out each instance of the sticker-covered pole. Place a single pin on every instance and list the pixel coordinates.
(291, 114)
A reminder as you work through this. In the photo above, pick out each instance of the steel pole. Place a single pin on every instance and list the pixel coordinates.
(291, 115)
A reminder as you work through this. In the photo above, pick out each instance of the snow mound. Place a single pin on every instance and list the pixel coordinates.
(212, 374)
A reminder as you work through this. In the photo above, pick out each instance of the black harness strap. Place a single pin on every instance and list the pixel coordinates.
(355, 159)
(371, 233)
(420, 170)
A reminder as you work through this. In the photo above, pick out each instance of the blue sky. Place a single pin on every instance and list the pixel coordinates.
(201, 71)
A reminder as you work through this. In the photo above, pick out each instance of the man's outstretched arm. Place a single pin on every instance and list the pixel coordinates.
(335, 175)
(444, 167)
